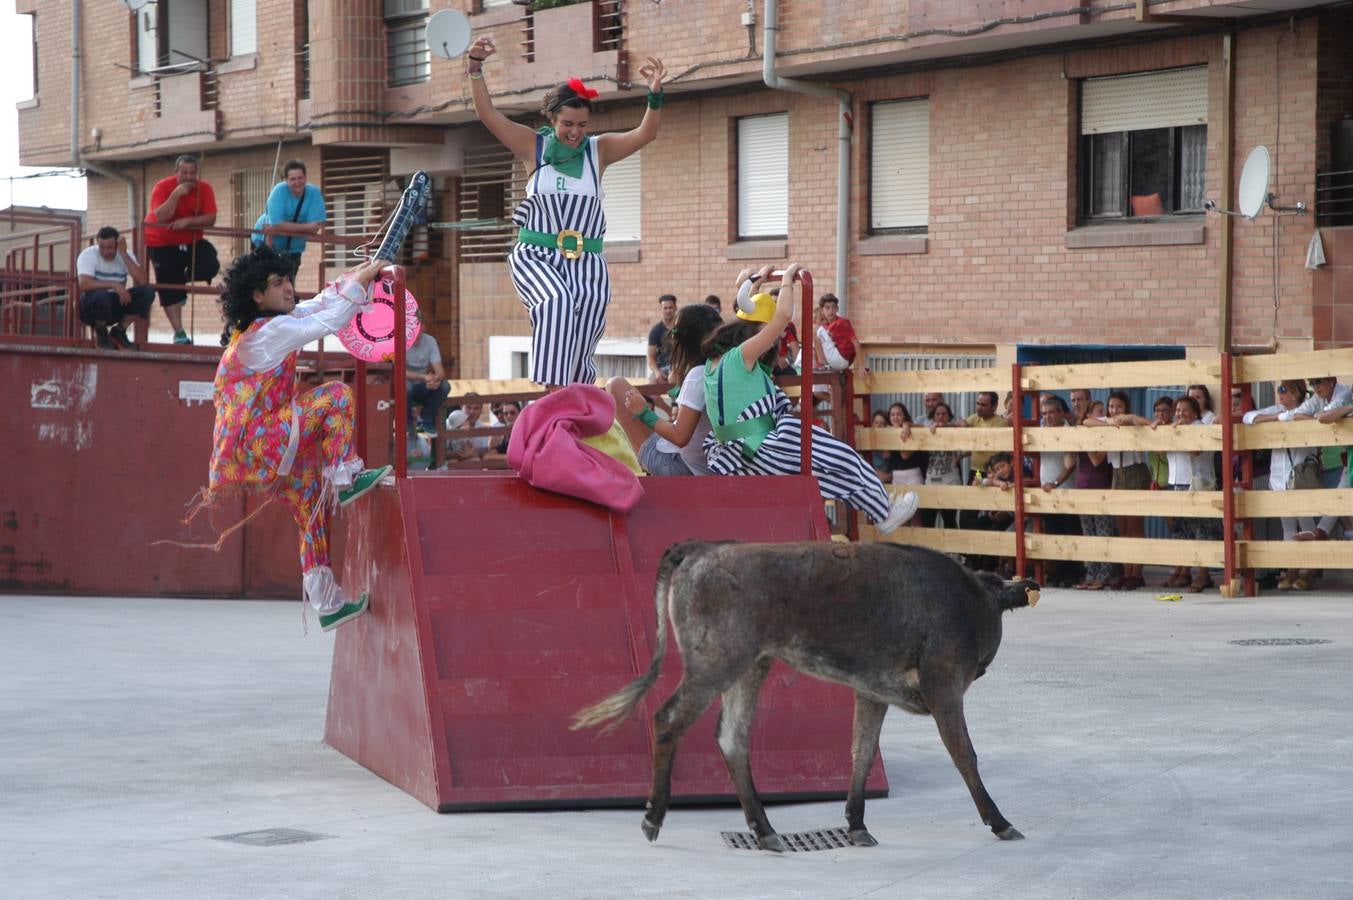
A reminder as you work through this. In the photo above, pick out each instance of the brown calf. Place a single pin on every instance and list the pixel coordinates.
(900, 625)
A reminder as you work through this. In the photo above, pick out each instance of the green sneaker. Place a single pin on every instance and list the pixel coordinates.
(365, 481)
(181, 337)
(345, 612)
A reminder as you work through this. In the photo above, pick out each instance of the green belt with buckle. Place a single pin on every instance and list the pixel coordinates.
(568, 242)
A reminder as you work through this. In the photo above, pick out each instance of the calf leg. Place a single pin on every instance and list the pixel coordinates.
(864, 746)
(669, 724)
(947, 708)
(735, 732)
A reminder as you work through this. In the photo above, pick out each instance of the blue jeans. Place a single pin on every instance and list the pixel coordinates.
(430, 399)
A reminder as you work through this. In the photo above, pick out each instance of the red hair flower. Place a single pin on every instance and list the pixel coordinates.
(582, 90)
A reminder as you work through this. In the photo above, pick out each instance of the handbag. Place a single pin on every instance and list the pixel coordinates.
(1304, 476)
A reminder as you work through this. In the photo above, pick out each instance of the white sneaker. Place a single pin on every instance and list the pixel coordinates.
(903, 508)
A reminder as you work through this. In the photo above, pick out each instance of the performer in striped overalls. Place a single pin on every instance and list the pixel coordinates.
(557, 266)
(753, 432)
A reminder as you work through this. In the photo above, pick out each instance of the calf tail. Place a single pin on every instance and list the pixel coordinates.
(617, 706)
(1017, 594)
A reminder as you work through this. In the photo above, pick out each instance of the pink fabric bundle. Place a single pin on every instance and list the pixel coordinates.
(546, 448)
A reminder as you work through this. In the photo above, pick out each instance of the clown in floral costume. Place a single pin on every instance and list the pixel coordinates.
(268, 438)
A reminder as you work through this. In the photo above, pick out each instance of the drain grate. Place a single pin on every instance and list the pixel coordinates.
(798, 841)
(1280, 642)
(272, 837)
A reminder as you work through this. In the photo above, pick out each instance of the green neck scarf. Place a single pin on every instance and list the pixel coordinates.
(566, 159)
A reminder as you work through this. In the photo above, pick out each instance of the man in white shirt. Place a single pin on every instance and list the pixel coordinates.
(465, 418)
(1327, 395)
(106, 303)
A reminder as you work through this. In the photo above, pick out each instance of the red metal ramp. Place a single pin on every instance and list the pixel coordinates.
(499, 610)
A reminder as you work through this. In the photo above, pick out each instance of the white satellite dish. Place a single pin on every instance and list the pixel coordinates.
(1254, 183)
(448, 33)
(135, 5)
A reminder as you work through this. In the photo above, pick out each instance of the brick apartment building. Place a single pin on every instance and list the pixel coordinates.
(1021, 173)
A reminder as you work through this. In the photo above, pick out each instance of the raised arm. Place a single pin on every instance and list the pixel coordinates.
(134, 268)
(514, 136)
(618, 145)
(285, 334)
(756, 346)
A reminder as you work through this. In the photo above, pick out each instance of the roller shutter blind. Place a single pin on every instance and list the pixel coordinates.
(621, 199)
(1164, 99)
(243, 27)
(763, 176)
(899, 165)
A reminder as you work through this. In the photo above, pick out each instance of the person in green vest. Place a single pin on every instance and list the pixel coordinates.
(752, 430)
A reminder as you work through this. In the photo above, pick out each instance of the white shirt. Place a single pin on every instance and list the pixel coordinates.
(1186, 469)
(1283, 459)
(309, 321)
(1314, 405)
(692, 396)
(90, 262)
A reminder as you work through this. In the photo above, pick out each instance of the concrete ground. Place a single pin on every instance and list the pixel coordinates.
(1140, 750)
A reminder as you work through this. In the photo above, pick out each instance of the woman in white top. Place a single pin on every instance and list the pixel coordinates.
(675, 446)
(1283, 468)
(1192, 470)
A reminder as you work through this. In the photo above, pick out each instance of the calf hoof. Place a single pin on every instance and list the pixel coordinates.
(772, 842)
(1009, 833)
(862, 838)
(650, 830)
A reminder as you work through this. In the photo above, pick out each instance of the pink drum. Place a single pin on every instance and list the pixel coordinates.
(370, 336)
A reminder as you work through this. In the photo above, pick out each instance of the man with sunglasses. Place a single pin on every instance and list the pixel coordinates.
(1327, 396)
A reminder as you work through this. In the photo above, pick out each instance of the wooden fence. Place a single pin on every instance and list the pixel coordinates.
(1234, 504)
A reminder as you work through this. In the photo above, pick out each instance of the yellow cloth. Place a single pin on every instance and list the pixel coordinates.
(615, 443)
(979, 460)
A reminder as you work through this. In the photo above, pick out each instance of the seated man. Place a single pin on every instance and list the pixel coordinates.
(425, 383)
(106, 303)
(463, 419)
(836, 347)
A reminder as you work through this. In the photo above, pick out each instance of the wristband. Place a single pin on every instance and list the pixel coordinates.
(648, 417)
(655, 99)
(475, 74)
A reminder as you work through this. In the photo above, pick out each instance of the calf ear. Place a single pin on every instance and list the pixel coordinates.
(1018, 593)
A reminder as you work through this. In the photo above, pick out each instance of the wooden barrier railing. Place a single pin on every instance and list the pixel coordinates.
(1231, 503)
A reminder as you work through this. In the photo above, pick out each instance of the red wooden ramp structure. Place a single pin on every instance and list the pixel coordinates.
(499, 610)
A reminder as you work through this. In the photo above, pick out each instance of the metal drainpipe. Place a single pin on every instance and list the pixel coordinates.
(76, 51)
(845, 102)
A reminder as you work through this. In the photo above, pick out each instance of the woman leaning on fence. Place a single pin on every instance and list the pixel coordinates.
(1192, 470)
(1290, 469)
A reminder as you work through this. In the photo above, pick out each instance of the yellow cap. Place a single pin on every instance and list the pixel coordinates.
(763, 309)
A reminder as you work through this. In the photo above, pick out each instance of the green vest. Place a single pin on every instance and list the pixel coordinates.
(729, 390)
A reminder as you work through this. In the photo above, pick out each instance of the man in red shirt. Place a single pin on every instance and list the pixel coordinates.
(180, 206)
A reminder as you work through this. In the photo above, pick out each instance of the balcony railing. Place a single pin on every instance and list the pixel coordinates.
(1334, 198)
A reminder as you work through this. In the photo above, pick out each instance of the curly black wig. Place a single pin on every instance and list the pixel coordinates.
(248, 273)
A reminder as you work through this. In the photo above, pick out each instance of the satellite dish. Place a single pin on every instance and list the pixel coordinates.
(1254, 183)
(135, 5)
(448, 33)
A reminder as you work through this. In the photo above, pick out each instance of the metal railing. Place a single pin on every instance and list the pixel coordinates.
(1334, 198)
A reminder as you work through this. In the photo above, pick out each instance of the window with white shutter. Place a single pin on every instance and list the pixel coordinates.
(763, 176)
(243, 27)
(620, 200)
(899, 165)
(1143, 145)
